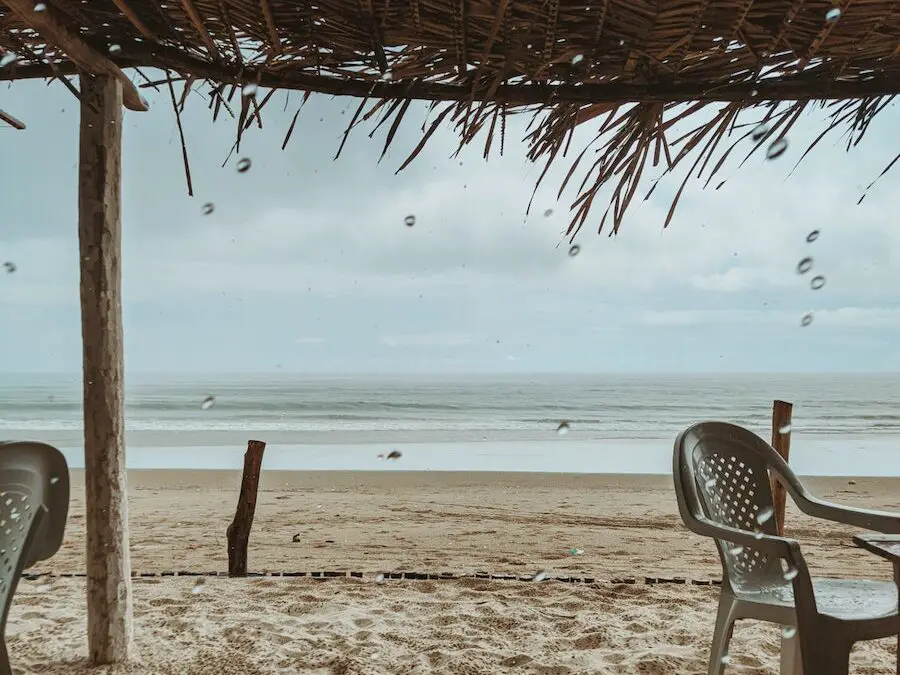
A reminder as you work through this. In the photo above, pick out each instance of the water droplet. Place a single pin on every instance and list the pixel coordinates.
(54, 480)
(7, 58)
(833, 14)
(578, 58)
(394, 454)
(208, 402)
(736, 551)
(43, 588)
(777, 149)
(244, 165)
(208, 208)
(726, 659)
(784, 429)
(574, 250)
(563, 428)
(409, 221)
(40, 7)
(812, 236)
(765, 515)
(379, 577)
(804, 265)
(548, 213)
(115, 49)
(387, 77)
(10, 267)
(759, 131)
(817, 282)
(790, 574)
(788, 632)
(250, 90)
(541, 576)
(758, 534)
(806, 320)
(710, 483)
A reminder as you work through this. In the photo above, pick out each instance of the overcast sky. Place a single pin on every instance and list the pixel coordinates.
(306, 264)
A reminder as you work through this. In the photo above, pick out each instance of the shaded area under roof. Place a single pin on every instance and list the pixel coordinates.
(636, 62)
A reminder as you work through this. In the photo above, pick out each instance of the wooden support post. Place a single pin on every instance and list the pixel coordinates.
(238, 532)
(100, 244)
(781, 441)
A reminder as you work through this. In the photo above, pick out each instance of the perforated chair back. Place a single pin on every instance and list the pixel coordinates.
(722, 473)
(34, 506)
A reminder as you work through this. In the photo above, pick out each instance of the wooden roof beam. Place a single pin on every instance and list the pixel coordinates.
(55, 31)
(11, 121)
(270, 25)
(135, 20)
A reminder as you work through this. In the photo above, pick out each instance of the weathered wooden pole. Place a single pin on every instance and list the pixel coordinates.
(238, 532)
(781, 441)
(106, 496)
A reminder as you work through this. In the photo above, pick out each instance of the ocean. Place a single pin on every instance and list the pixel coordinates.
(843, 424)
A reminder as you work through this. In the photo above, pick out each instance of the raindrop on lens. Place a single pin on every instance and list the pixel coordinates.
(409, 221)
(394, 454)
(40, 7)
(208, 402)
(208, 208)
(7, 59)
(812, 236)
(790, 574)
(578, 58)
(737, 550)
(777, 149)
(541, 576)
(804, 265)
(817, 282)
(759, 131)
(250, 90)
(10, 267)
(789, 632)
(563, 428)
(574, 250)
(726, 659)
(548, 213)
(244, 165)
(833, 14)
(379, 578)
(115, 49)
(806, 320)
(765, 515)
(758, 534)
(54, 480)
(199, 586)
(710, 483)
(784, 429)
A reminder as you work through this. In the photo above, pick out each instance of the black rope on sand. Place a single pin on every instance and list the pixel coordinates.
(401, 576)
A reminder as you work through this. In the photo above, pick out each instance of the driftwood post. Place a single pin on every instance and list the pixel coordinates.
(238, 532)
(100, 242)
(781, 441)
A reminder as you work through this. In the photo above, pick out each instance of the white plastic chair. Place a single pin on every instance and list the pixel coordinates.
(721, 474)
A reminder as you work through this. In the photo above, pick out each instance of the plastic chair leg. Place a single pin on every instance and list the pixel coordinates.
(791, 662)
(725, 619)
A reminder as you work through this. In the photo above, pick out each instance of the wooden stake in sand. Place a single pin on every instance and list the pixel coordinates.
(781, 441)
(238, 532)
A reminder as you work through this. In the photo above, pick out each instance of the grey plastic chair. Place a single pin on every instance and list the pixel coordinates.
(721, 474)
(34, 506)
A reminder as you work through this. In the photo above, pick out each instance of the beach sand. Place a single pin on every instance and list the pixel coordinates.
(460, 523)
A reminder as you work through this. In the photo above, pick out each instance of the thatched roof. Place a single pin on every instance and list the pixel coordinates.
(635, 62)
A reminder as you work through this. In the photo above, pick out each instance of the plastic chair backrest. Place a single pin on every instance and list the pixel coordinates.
(34, 506)
(722, 471)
